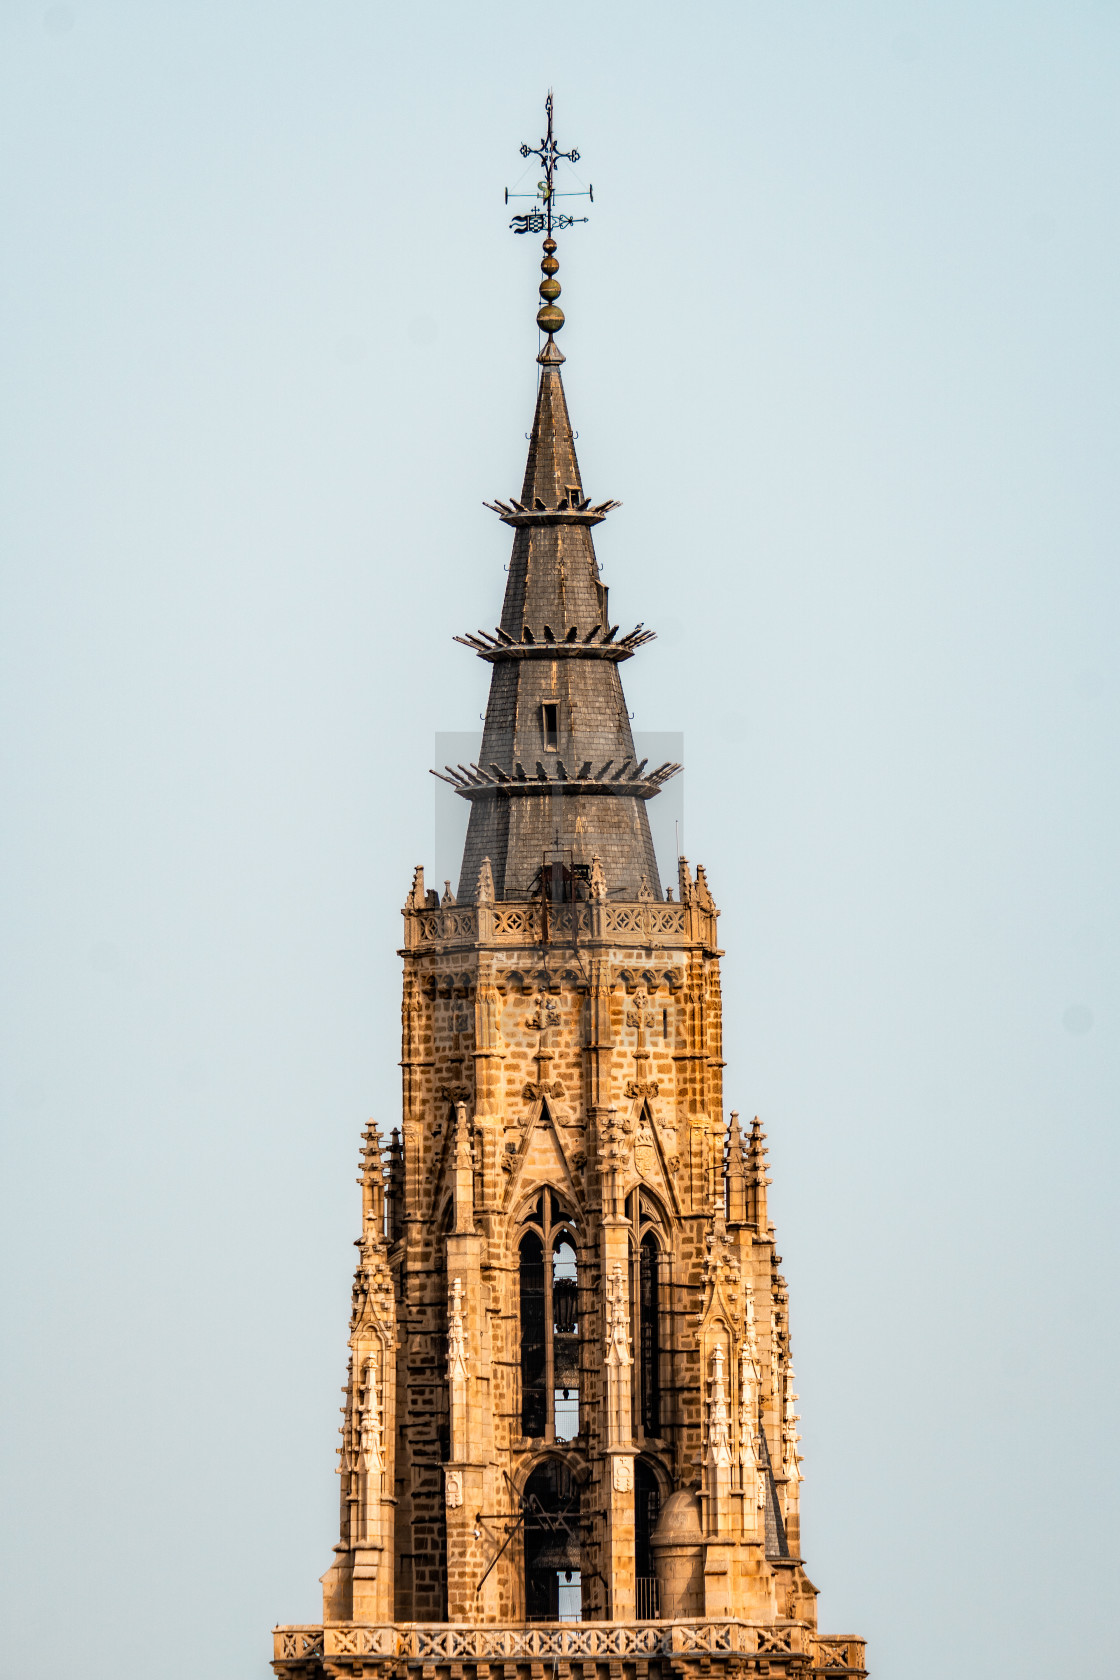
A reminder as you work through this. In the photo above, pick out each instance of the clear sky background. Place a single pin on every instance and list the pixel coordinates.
(842, 338)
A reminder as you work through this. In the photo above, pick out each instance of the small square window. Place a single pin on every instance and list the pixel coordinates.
(550, 722)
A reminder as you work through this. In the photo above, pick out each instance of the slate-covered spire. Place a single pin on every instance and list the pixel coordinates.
(558, 781)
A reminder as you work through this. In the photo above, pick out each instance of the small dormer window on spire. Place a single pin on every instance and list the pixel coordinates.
(550, 726)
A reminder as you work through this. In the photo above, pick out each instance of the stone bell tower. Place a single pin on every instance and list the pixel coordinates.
(569, 1426)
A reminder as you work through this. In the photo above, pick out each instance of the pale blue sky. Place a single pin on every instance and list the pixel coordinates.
(842, 338)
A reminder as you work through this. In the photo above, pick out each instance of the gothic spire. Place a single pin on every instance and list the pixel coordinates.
(558, 782)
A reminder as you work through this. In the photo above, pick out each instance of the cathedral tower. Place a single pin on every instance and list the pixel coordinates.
(570, 1429)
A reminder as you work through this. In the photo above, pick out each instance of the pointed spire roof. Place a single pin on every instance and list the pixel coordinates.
(551, 468)
(558, 780)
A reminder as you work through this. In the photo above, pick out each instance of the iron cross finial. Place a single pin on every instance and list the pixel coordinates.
(546, 219)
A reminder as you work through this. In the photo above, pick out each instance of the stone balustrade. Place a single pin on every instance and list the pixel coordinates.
(458, 1642)
(511, 924)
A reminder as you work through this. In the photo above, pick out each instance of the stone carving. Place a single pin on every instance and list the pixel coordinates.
(760, 1495)
(456, 1333)
(642, 1087)
(533, 1092)
(370, 1440)
(639, 1014)
(791, 1458)
(719, 1432)
(775, 1639)
(440, 1643)
(644, 1155)
(750, 1344)
(299, 1642)
(746, 1414)
(453, 1488)
(624, 1475)
(618, 1318)
(614, 1141)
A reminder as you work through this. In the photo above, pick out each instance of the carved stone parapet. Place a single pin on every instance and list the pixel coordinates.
(444, 1643)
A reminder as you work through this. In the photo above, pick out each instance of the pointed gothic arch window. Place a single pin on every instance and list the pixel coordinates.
(649, 1338)
(549, 1299)
(647, 1308)
(647, 1509)
(553, 1581)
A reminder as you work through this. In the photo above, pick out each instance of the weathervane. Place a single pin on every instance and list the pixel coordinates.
(547, 220)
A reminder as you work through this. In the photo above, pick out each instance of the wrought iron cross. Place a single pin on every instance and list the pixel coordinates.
(545, 219)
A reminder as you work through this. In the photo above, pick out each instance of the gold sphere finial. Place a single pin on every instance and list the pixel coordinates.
(549, 318)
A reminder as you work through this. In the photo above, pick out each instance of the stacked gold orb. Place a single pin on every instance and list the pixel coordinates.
(549, 318)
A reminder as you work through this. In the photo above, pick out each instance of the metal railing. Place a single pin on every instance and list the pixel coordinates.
(647, 1600)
